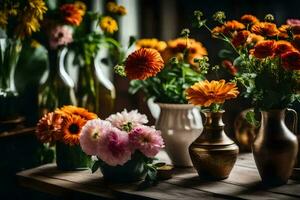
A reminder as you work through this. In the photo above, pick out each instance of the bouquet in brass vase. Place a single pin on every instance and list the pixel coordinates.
(266, 62)
(213, 153)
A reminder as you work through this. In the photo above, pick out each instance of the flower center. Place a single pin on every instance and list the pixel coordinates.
(74, 129)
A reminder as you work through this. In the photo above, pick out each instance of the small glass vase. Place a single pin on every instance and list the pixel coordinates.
(71, 157)
(94, 91)
(275, 147)
(213, 153)
(10, 50)
(133, 170)
(58, 87)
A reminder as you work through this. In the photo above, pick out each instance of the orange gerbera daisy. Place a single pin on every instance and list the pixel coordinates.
(205, 93)
(152, 44)
(264, 49)
(240, 38)
(177, 47)
(265, 29)
(217, 31)
(231, 26)
(291, 60)
(283, 29)
(48, 128)
(143, 63)
(74, 110)
(249, 19)
(71, 128)
(283, 46)
(296, 42)
(71, 14)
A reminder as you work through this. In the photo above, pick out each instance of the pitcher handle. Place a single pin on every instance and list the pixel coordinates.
(295, 119)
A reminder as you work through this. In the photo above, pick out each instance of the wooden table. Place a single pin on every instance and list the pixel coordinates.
(243, 183)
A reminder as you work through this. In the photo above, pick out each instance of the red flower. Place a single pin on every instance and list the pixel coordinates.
(291, 60)
(264, 49)
(283, 46)
(143, 63)
(240, 38)
(228, 65)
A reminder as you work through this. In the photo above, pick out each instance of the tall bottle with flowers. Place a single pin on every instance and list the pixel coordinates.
(267, 61)
(164, 71)
(18, 20)
(94, 90)
(57, 89)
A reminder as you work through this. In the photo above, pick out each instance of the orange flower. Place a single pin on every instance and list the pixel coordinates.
(231, 26)
(264, 49)
(291, 60)
(177, 47)
(205, 93)
(73, 110)
(283, 29)
(240, 38)
(253, 38)
(217, 31)
(296, 42)
(71, 128)
(249, 19)
(71, 14)
(48, 128)
(283, 46)
(143, 63)
(265, 29)
(152, 44)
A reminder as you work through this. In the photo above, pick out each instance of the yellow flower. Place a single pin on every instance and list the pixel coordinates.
(27, 26)
(152, 44)
(205, 93)
(108, 24)
(81, 6)
(114, 8)
(37, 8)
(35, 44)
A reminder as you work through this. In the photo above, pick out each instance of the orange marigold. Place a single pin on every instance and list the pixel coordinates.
(49, 127)
(231, 26)
(71, 128)
(283, 46)
(249, 19)
(71, 14)
(143, 63)
(152, 44)
(264, 49)
(177, 46)
(205, 93)
(74, 110)
(240, 38)
(265, 29)
(291, 60)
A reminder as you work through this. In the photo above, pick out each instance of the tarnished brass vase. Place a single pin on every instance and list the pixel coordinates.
(213, 153)
(275, 148)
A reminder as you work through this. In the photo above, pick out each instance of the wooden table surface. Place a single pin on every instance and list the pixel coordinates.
(243, 183)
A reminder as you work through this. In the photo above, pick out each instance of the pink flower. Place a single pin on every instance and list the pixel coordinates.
(122, 119)
(147, 140)
(60, 35)
(293, 22)
(93, 131)
(114, 149)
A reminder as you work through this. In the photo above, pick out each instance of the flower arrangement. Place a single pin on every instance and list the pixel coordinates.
(265, 58)
(163, 70)
(118, 142)
(21, 18)
(63, 125)
(211, 94)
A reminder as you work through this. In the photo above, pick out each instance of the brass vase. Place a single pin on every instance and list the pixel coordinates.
(275, 147)
(213, 153)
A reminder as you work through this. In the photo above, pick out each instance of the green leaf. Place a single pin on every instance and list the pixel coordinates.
(95, 166)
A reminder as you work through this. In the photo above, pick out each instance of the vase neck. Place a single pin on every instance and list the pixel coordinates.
(213, 119)
(273, 116)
